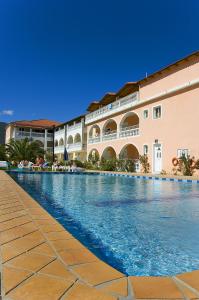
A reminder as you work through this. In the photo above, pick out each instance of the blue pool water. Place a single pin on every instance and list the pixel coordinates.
(141, 227)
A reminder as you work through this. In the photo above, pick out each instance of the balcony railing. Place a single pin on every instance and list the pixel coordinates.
(94, 140)
(117, 106)
(38, 134)
(22, 134)
(75, 126)
(59, 149)
(129, 131)
(111, 135)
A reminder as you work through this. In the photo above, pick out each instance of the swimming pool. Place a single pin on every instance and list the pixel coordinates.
(141, 227)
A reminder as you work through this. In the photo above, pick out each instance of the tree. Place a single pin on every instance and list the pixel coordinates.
(3, 152)
(24, 150)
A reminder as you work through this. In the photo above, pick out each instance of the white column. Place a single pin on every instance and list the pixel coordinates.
(45, 139)
(31, 134)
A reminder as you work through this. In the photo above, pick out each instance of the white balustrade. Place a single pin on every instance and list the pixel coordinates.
(116, 106)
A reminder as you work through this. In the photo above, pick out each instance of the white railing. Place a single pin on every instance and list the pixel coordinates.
(75, 126)
(59, 148)
(129, 131)
(49, 134)
(114, 107)
(74, 146)
(94, 140)
(38, 134)
(110, 135)
(22, 134)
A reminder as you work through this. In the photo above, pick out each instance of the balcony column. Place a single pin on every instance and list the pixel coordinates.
(14, 133)
(65, 135)
(45, 139)
(30, 134)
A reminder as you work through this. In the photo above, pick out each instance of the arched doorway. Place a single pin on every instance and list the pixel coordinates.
(129, 125)
(77, 138)
(94, 134)
(109, 153)
(109, 130)
(130, 152)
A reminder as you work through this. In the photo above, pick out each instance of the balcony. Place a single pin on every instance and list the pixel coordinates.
(94, 140)
(117, 106)
(22, 134)
(129, 131)
(74, 147)
(74, 126)
(111, 135)
(59, 149)
(38, 134)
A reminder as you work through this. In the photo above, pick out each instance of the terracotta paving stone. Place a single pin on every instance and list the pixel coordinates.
(51, 228)
(11, 210)
(155, 288)
(191, 278)
(12, 277)
(57, 268)
(30, 261)
(41, 287)
(9, 235)
(45, 222)
(36, 236)
(77, 256)
(67, 244)
(97, 272)
(12, 215)
(16, 232)
(60, 235)
(80, 291)
(16, 247)
(188, 293)
(44, 249)
(9, 204)
(117, 287)
(15, 222)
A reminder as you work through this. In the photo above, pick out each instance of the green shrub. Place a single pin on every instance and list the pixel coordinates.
(108, 165)
(187, 165)
(144, 163)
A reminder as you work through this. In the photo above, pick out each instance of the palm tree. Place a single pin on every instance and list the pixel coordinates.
(23, 150)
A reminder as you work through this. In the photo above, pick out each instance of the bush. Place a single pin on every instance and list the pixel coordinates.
(108, 165)
(187, 165)
(93, 158)
(125, 165)
(144, 163)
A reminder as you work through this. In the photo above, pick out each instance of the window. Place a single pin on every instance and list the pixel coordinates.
(146, 113)
(181, 152)
(145, 149)
(157, 112)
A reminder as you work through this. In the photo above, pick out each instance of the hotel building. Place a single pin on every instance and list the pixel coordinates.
(72, 135)
(35, 130)
(157, 116)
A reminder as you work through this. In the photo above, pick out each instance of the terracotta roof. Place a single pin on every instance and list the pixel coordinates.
(128, 88)
(93, 106)
(176, 63)
(42, 123)
(108, 98)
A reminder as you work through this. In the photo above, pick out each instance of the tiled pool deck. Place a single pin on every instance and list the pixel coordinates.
(41, 260)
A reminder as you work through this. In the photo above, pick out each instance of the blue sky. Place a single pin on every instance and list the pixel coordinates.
(56, 56)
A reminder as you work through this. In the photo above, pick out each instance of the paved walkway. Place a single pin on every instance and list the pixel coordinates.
(40, 260)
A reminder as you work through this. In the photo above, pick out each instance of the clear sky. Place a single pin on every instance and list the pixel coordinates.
(56, 56)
